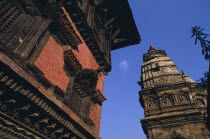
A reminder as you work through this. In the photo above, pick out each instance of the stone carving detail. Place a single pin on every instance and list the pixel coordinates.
(176, 135)
(152, 103)
(199, 102)
(180, 102)
(167, 100)
(183, 99)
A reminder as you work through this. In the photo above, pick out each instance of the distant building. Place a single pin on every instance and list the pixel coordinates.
(54, 56)
(174, 105)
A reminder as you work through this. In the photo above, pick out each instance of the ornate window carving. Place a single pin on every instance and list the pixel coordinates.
(9, 14)
(156, 68)
(80, 93)
(151, 104)
(19, 31)
(183, 99)
(81, 105)
(167, 100)
(75, 101)
(199, 102)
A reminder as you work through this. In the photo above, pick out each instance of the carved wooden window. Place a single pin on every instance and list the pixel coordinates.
(199, 102)
(19, 31)
(80, 105)
(75, 102)
(9, 15)
(85, 107)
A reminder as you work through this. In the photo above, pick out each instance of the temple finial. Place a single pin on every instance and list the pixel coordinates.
(151, 47)
(183, 72)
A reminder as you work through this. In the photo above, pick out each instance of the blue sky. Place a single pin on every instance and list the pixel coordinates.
(166, 24)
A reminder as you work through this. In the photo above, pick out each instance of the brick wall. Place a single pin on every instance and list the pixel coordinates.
(82, 52)
(95, 116)
(85, 57)
(50, 62)
(100, 83)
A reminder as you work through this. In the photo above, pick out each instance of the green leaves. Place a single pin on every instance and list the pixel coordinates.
(197, 32)
(204, 80)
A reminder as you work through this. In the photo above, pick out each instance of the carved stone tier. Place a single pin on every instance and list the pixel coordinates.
(171, 100)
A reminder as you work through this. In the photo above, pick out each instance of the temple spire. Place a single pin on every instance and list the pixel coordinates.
(151, 47)
(183, 73)
(167, 97)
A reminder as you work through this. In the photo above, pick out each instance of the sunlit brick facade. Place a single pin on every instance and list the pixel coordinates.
(53, 61)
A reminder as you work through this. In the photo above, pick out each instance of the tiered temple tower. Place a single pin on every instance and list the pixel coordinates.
(174, 105)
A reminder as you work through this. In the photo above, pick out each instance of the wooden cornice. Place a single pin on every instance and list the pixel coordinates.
(70, 25)
(71, 60)
(98, 97)
(67, 28)
(86, 32)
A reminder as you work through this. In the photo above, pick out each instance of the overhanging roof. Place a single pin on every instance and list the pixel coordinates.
(124, 21)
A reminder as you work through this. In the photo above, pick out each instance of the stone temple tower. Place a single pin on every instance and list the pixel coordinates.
(174, 105)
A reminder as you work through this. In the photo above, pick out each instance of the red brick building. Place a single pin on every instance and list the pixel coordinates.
(53, 61)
